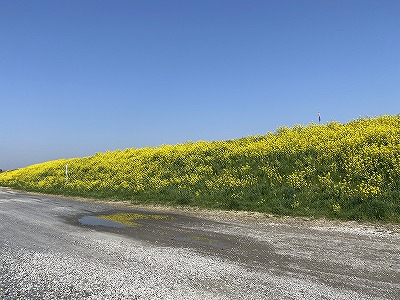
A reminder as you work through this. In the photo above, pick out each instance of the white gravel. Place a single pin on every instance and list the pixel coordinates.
(121, 269)
(43, 257)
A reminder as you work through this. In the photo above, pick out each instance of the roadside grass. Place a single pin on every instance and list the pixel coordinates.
(340, 171)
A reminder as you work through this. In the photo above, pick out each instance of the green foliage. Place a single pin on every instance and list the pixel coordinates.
(349, 171)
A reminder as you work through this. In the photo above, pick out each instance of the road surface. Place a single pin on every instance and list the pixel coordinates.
(58, 248)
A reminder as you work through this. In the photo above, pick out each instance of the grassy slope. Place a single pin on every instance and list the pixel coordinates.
(349, 171)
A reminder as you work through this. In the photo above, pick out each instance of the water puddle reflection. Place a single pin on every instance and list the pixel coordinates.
(122, 219)
(94, 221)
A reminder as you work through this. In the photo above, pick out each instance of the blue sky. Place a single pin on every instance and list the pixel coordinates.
(80, 77)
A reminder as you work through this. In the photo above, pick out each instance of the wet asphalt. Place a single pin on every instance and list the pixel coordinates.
(58, 248)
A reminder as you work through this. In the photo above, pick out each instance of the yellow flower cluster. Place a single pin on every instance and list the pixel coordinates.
(334, 166)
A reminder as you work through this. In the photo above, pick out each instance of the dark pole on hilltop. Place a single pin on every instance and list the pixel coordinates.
(319, 118)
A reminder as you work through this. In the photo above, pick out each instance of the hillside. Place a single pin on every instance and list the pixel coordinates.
(346, 171)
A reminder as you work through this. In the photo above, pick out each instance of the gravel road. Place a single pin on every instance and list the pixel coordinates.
(51, 248)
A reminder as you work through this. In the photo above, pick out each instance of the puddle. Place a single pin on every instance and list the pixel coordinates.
(119, 220)
(130, 219)
(94, 221)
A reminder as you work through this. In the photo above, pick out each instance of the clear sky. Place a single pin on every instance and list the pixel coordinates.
(84, 76)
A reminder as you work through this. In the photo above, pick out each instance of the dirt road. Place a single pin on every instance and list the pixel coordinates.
(55, 248)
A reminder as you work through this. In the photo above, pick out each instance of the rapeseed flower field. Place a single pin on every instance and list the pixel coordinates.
(346, 171)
